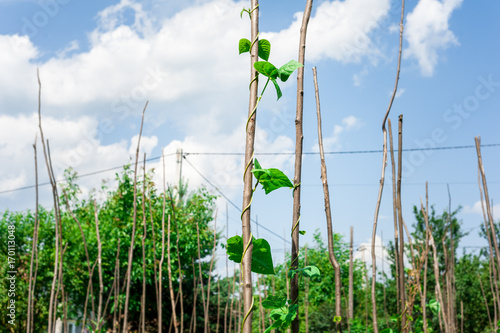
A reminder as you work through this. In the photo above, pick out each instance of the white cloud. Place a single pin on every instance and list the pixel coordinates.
(332, 142)
(186, 64)
(427, 32)
(146, 146)
(73, 143)
(339, 30)
(358, 77)
(72, 46)
(400, 92)
(476, 209)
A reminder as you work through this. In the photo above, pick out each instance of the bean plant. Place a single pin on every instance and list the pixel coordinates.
(283, 312)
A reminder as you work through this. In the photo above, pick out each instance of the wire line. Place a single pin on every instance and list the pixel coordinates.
(232, 203)
(241, 154)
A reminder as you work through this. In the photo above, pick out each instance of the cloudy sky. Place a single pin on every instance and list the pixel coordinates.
(100, 61)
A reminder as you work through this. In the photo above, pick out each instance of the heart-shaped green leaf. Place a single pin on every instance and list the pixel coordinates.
(271, 179)
(234, 248)
(266, 68)
(244, 45)
(287, 69)
(264, 49)
(262, 260)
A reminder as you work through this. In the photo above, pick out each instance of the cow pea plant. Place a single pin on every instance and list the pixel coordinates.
(283, 312)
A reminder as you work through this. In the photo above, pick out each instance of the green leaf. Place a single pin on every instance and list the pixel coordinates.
(434, 306)
(274, 302)
(275, 325)
(387, 330)
(287, 69)
(308, 271)
(258, 172)
(271, 179)
(337, 319)
(264, 49)
(262, 260)
(277, 87)
(266, 68)
(302, 232)
(235, 248)
(244, 45)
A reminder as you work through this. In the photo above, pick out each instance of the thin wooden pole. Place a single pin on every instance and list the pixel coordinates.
(324, 178)
(134, 225)
(299, 138)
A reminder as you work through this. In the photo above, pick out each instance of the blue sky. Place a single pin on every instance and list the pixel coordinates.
(100, 61)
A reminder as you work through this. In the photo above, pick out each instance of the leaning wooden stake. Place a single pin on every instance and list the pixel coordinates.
(169, 268)
(402, 292)
(134, 225)
(143, 243)
(395, 213)
(487, 199)
(306, 294)
(492, 271)
(204, 302)
(324, 179)
(439, 293)
(99, 267)
(34, 254)
(58, 245)
(350, 314)
(162, 258)
(299, 138)
(210, 272)
(116, 283)
(382, 177)
(489, 216)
